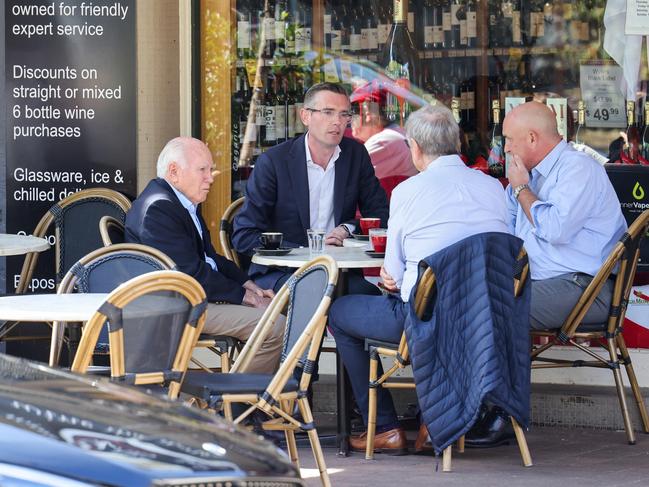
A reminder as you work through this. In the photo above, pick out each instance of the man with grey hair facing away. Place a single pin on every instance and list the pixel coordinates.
(167, 216)
(443, 204)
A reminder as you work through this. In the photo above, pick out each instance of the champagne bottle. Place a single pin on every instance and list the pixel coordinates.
(496, 159)
(401, 62)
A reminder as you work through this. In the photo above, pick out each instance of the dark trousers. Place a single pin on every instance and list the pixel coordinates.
(354, 318)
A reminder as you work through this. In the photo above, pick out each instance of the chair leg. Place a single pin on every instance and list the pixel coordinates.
(292, 447)
(637, 394)
(371, 410)
(305, 410)
(619, 385)
(460, 444)
(522, 443)
(446, 458)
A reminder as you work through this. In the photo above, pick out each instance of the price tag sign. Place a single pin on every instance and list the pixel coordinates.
(600, 91)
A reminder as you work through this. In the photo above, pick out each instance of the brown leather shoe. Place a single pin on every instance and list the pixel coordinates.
(392, 442)
(423, 443)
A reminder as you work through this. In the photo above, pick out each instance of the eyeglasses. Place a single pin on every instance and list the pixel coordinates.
(330, 114)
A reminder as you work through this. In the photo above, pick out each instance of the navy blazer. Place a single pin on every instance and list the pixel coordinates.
(158, 219)
(277, 195)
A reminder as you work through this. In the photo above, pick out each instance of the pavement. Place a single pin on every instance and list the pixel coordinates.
(562, 457)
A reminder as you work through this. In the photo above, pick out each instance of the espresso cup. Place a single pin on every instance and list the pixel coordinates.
(378, 239)
(271, 240)
(367, 223)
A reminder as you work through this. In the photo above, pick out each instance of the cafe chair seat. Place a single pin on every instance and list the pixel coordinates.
(211, 387)
(607, 348)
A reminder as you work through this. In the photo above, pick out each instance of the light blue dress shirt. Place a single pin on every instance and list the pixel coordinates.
(191, 208)
(436, 208)
(577, 217)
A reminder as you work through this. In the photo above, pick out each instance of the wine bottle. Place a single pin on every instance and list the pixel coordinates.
(281, 110)
(468, 96)
(581, 119)
(401, 63)
(496, 158)
(464, 36)
(644, 149)
(383, 27)
(456, 6)
(446, 25)
(291, 113)
(355, 33)
(427, 25)
(507, 19)
(438, 24)
(244, 39)
(471, 23)
(270, 106)
(268, 31)
(281, 14)
(327, 23)
(631, 149)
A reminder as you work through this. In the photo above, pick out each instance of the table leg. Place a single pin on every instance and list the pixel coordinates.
(342, 387)
(74, 337)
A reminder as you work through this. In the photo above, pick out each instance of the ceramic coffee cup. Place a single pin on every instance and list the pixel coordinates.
(271, 240)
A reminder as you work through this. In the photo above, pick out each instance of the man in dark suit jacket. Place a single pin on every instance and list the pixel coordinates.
(166, 216)
(317, 180)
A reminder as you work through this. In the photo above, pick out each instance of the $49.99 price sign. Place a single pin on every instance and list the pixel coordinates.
(601, 94)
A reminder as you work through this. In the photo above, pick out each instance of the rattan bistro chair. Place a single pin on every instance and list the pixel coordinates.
(225, 231)
(308, 295)
(76, 223)
(424, 299)
(154, 322)
(111, 230)
(76, 226)
(613, 353)
(101, 271)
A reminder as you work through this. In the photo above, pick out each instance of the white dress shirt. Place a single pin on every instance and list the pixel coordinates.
(321, 190)
(436, 208)
(577, 217)
(191, 208)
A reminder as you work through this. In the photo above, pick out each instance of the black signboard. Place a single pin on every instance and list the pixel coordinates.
(70, 111)
(631, 183)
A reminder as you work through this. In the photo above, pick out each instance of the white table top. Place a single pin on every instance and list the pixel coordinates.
(345, 257)
(78, 306)
(50, 307)
(11, 244)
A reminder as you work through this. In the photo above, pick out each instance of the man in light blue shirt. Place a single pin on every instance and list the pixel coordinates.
(562, 204)
(446, 202)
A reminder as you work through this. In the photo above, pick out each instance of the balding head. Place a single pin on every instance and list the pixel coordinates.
(530, 131)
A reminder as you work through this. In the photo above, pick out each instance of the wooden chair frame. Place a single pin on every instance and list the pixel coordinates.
(614, 354)
(276, 404)
(123, 295)
(426, 291)
(225, 230)
(69, 281)
(106, 223)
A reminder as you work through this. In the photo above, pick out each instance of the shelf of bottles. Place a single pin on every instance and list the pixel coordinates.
(466, 54)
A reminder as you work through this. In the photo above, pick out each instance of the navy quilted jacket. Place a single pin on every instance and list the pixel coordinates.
(473, 343)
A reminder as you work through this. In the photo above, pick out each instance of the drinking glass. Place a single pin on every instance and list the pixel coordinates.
(316, 241)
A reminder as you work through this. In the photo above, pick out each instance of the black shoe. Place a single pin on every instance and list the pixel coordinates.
(494, 429)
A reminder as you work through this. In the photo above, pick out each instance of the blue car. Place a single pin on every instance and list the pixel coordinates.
(61, 429)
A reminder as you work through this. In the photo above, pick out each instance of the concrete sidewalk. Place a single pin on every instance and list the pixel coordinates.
(562, 457)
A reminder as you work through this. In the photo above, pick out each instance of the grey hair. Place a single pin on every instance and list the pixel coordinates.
(435, 130)
(173, 151)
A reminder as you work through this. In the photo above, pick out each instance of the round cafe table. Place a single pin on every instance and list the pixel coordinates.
(350, 256)
(11, 244)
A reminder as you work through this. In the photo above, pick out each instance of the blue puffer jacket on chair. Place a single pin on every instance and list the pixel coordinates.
(473, 343)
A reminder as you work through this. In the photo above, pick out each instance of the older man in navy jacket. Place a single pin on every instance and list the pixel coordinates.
(166, 216)
(317, 180)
